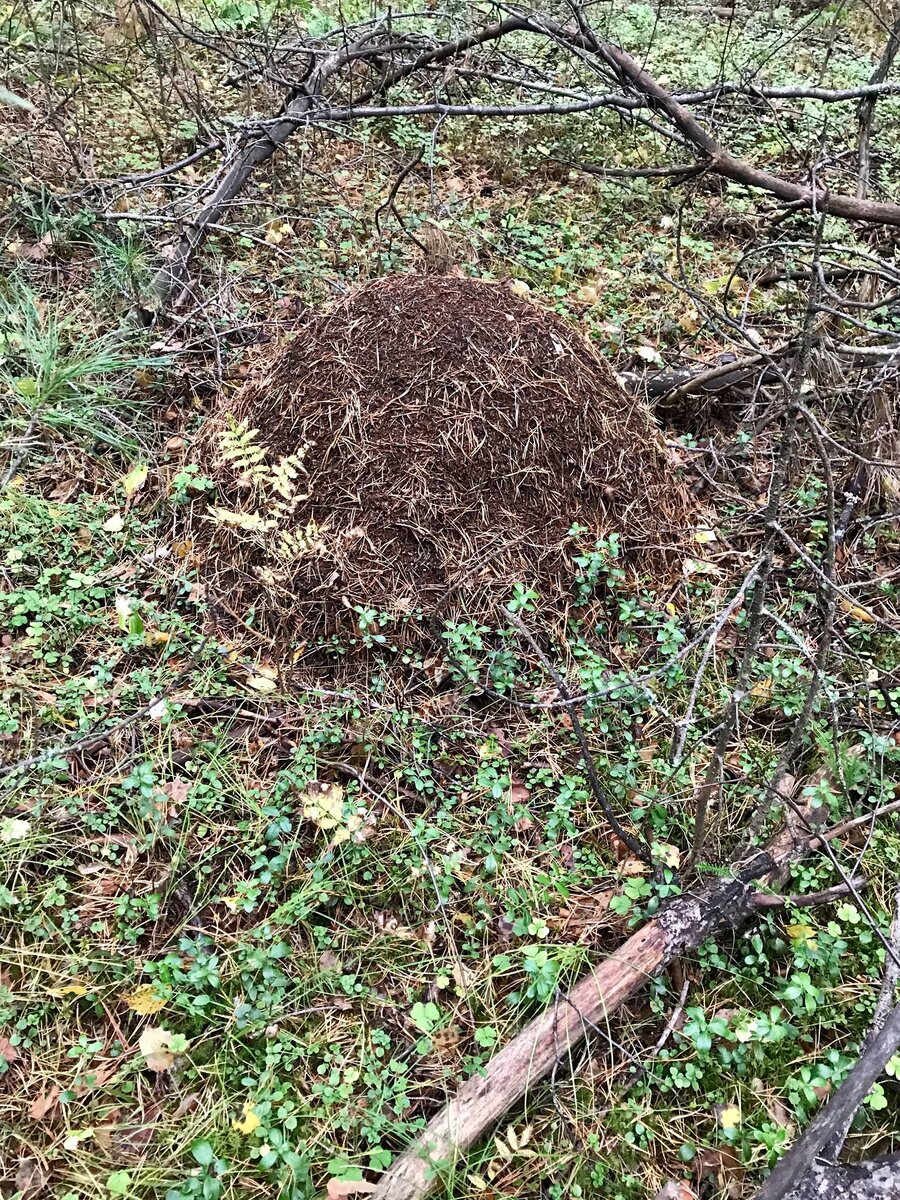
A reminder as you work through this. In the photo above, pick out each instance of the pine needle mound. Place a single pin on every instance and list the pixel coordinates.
(420, 448)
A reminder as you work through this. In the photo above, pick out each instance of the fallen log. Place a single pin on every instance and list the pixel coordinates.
(551, 1038)
(877, 1179)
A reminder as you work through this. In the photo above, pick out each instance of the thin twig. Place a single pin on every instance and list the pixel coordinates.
(600, 794)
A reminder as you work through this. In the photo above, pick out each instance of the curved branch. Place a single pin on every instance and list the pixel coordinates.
(725, 164)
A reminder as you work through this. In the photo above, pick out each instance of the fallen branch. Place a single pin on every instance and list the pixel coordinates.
(552, 1037)
(723, 163)
(309, 107)
(810, 899)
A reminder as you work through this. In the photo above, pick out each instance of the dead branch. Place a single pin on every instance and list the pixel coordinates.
(831, 1119)
(552, 1037)
(809, 899)
(308, 107)
(723, 163)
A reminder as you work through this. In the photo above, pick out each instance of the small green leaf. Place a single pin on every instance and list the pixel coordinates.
(26, 387)
(119, 1183)
(425, 1016)
(203, 1153)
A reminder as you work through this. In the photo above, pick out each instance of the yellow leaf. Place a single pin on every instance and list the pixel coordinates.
(248, 1121)
(502, 1149)
(802, 933)
(156, 637)
(13, 829)
(69, 989)
(857, 613)
(761, 690)
(729, 1116)
(323, 804)
(668, 855)
(260, 683)
(77, 1136)
(134, 480)
(115, 524)
(144, 1000)
(704, 535)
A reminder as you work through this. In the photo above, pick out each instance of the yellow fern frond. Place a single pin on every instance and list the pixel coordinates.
(252, 522)
(241, 451)
(284, 473)
(293, 544)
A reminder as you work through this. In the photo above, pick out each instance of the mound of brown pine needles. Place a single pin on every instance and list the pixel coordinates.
(437, 438)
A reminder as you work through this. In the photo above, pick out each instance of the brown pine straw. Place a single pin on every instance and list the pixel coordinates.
(454, 433)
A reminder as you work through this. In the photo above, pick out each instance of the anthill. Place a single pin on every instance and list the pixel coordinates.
(422, 447)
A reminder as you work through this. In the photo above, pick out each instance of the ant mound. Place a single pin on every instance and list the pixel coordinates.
(418, 450)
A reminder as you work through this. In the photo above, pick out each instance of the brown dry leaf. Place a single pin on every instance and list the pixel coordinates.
(94, 1077)
(8, 1052)
(31, 1176)
(133, 1135)
(188, 1104)
(463, 977)
(36, 252)
(618, 846)
(337, 1189)
(632, 866)
(177, 790)
(445, 1041)
(723, 1163)
(676, 1189)
(43, 1103)
(779, 1114)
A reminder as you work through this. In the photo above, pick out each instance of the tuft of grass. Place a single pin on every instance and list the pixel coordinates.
(61, 380)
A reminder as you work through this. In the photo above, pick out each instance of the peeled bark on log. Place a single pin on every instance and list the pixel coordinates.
(551, 1038)
(878, 1179)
